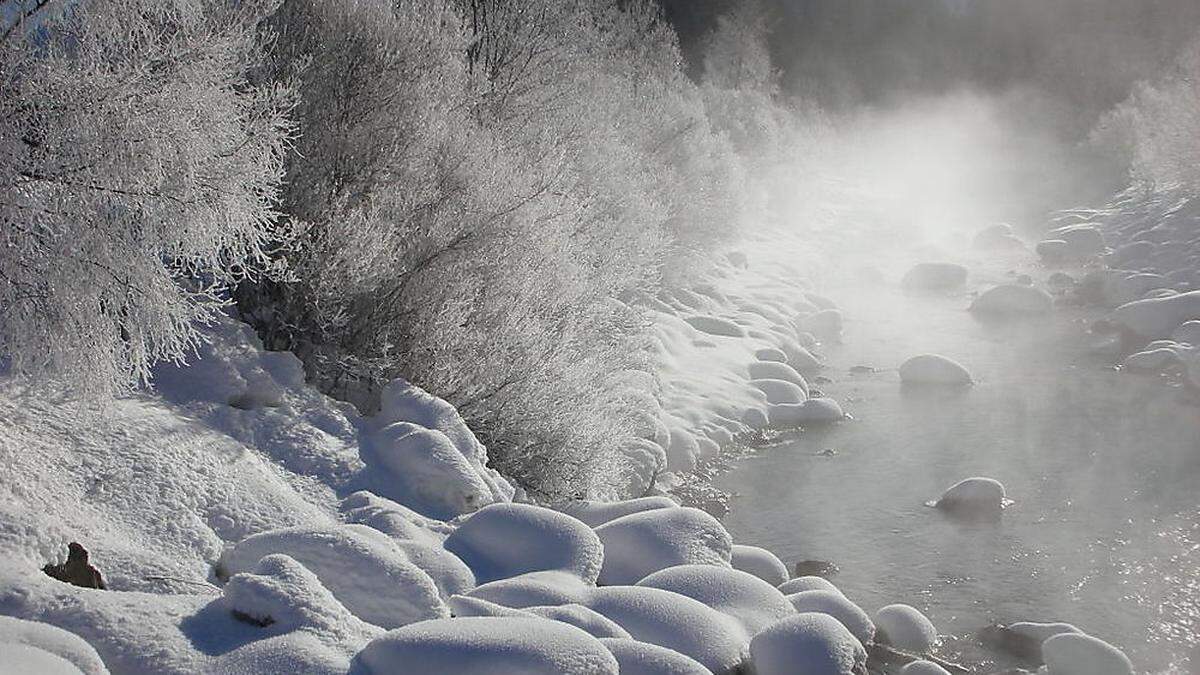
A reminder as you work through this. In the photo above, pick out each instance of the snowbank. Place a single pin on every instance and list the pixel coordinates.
(813, 644)
(807, 583)
(750, 601)
(507, 540)
(488, 646)
(640, 544)
(933, 369)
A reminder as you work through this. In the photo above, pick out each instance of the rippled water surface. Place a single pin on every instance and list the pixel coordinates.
(1104, 468)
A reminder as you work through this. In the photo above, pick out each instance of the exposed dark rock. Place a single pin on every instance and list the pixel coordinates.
(76, 571)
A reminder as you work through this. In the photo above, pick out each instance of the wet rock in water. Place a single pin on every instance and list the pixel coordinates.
(1010, 299)
(932, 276)
(934, 369)
(1024, 280)
(76, 571)
(974, 497)
(862, 370)
(815, 568)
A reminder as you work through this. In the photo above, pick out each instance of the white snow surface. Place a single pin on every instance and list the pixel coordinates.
(760, 562)
(488, 646)
(507, 540)
(65, 645)
(839, 607)
(752, 602)
(642, 543)
(808, 583)
(809, 643)
(643, 658)
(906, 627)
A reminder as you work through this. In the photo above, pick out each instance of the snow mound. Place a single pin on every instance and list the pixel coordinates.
(933, 369)
(974, 497)
(426, 471)
(1158, 317)
(933, 276)
(283, 594)
(773, 370)
(760, 562)
(712, 325)
(21, 658)
(401, 401)
(1013, 299)
(595, 514)
(64, 645)
(999, 237)
(1077, 654)
(1152, 359)
(640, 544)
(464, 606)
(507, 540)
(676, 622)
(807, 583)
(905, 627)
(361, 567)
(814, 411)
(809, 643)
(923, 668)
(535, 588)
(449, 573)
(780, 391)
(771, 354)
(488, 646)
(588, 620)
(752, 602)
(837, 606)
(393, 519)
(643, 658)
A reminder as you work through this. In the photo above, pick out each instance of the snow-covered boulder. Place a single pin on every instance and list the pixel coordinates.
(839, 607)
(360, 566)
(676, 622)
(773, 371)
(1013, 299)
(814, 411)
(64, 645)
(1158, 317)
(771, 354)
(643, 658)
(584, 618)
(715, 325)
(809, 643)
(393, 519)
(905, 627)
(934, 369)
(401, 401)
(1076, 654)
(760, 562)
(1188, 332)
(426, 471)
(923, 668)
(749, 600)
(798, 356)
(21, 658)
(506, 540)
(284, 594)
(448, 572)
(1154, 360)
(642, 543)
(464, 606)
(780, 391)
(488, 646)
(534, 589)
(974, 497)
(807, 583)
(595, 514)
(934, 276)
(1052, 250)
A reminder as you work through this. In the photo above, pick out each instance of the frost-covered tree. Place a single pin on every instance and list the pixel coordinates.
(139, 173)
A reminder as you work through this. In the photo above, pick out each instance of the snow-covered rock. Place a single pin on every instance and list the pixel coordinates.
(905, 627)
(586, 619)
(534, 589)
(771, 354)
(974, 497)
(676, 622)
(507, 540)
(809, 643)
(643, 658)
(749, 600)
(1013, 299)
(935, 370)
(1188, 332)
(360, 566)
(642, 543)
(22, 658)
(65, 645)
(774, 371)
(807, 583)
(1158, 317)
(934, 276)
(426, 471)
(595, 514)
(714, 325)
(1077, 654)
(448, 572)
(488, 646)
(839, 607)
(393, 519)
(464, 606)
(923, 668)
(1151, 359)
(780, 391)
(814, 411)
(760, 562)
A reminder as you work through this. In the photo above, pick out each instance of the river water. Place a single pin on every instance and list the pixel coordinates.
(1103, 466)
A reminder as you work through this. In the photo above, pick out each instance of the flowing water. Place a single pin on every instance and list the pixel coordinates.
(1104, 468)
